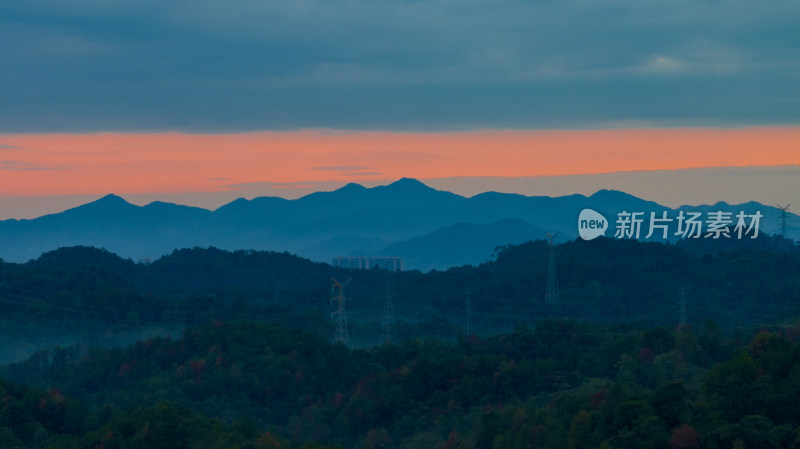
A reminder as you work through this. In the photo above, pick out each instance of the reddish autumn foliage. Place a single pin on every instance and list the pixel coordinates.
(684, 437)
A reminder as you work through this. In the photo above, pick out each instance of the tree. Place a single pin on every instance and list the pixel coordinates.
(669, 402)
(684, 437)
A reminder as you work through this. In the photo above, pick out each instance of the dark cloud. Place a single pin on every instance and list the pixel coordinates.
(28, 166)
(201, 65)
(363, 173)
(278, 185)
(340, 168)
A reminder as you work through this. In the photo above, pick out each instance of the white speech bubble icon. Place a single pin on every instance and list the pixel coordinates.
(591, 224)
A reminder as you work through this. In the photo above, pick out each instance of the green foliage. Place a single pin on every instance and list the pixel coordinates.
(33, 419)
(233, 380)
(90, 295)
(563, 384)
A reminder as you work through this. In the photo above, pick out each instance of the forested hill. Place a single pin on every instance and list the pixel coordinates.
(535, 375)
(428, 227)
(95, 293)
(562, 385)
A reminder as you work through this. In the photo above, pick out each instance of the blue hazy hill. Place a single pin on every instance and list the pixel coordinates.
(352, 220)
(462, 243)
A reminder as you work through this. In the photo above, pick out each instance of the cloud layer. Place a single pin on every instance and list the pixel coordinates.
(201, 65)
(52, 164)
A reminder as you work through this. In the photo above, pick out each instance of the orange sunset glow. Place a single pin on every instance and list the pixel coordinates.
(61, 164)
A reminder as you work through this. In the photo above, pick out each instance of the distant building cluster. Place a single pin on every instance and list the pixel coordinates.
(367, 263)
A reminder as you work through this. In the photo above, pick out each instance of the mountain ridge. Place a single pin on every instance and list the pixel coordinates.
(350, 220)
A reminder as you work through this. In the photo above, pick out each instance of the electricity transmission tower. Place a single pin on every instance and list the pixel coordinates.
(681, 309)
(342, 334)
(468, 313)
(551, 295)
(784, 225)
(389, 321)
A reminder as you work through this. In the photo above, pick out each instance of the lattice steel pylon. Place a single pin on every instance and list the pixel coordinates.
(342, 334)
(784, 226)
(468, 313)
(551, 295)
(681, 309)
(389, 321)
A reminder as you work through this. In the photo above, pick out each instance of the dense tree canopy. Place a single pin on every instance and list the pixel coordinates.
(214, 349)
(562, 384)
(90, 295)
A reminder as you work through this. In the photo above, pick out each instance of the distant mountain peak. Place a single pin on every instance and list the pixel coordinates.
(353, 186)
(108, 205)
(617, 199)
(614, 193)
(413, 188)
(610, 192)
(409, 182)
(112, 197)
(402, 184)
(109, 200)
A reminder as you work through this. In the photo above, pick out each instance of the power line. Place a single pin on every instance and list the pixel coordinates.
(551, 295)
(681, 309)
(783, 216)
(468, 312)
(389, 320)
(342, 334)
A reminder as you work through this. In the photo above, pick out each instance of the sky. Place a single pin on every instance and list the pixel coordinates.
(201, 101)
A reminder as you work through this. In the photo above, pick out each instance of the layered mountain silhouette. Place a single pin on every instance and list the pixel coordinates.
(428, 227)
